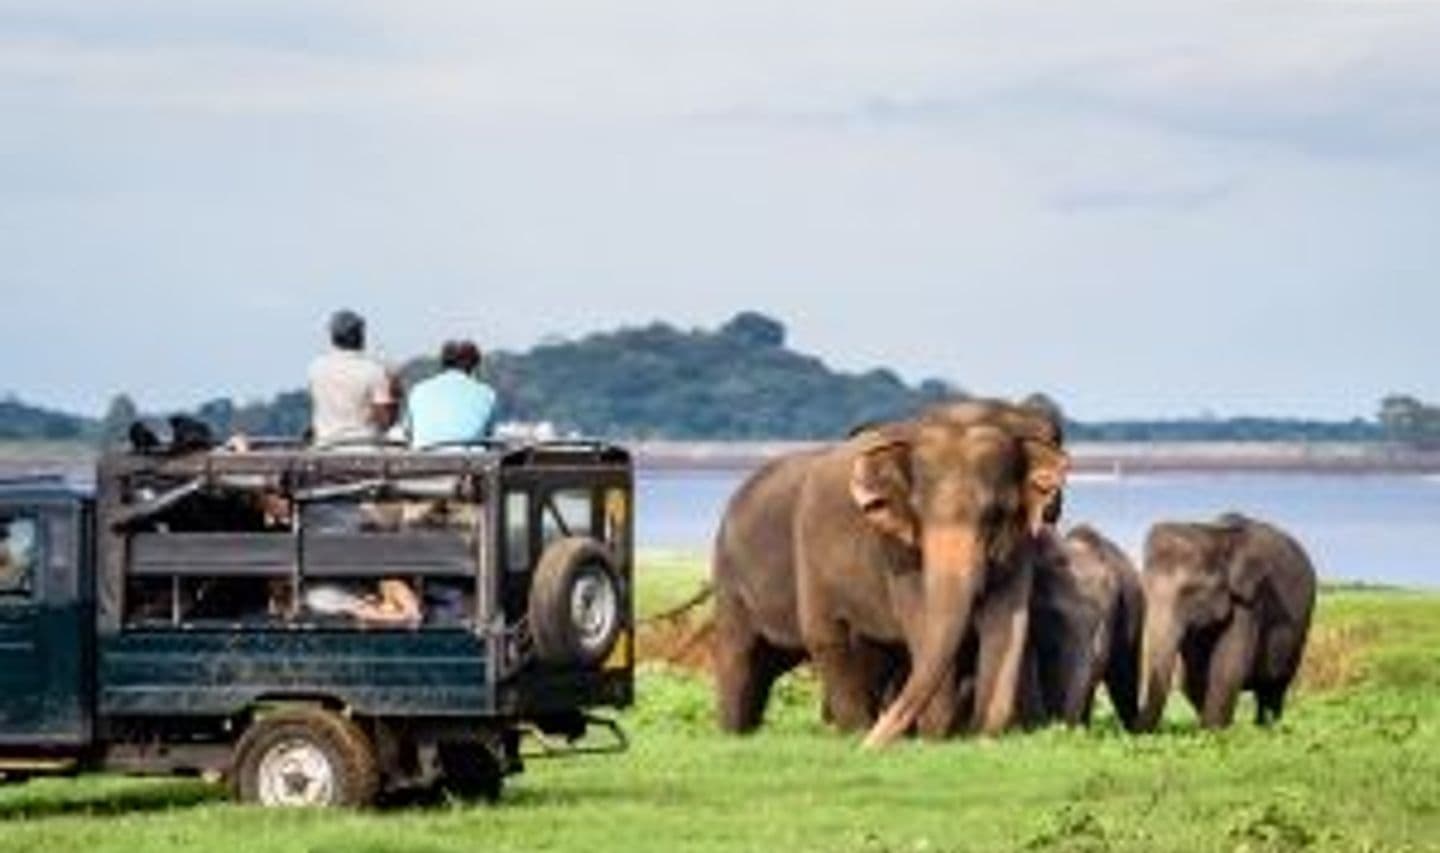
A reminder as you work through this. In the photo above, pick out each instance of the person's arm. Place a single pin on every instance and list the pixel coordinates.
(493, 416)
(385, 398)
(399, 597)
(397, 605)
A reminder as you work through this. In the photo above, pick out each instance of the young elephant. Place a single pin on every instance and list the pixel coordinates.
(1086, 617)
(1233, 598)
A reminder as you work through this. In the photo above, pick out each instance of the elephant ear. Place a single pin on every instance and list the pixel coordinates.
(1245, 570)
(880, 485)
(1046, 468)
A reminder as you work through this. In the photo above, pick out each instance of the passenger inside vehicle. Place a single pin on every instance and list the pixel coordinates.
(453, 407)
(352, 396)
(394, 602)
(17, 544)
(222, 597)
(223, 511)
(448, 601)
(231, 599)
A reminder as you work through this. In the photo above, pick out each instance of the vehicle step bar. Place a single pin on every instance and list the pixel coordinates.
(552, 747)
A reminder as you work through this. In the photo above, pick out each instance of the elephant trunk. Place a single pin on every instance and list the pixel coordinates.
(1160, 647)
(953, 563)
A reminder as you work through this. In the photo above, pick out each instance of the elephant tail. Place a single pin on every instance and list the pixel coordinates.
(681, 635)
(704, 594)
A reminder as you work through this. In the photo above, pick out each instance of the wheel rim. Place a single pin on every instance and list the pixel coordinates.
(296, 772)
(593, 609)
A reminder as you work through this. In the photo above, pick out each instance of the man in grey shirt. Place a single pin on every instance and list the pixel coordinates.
(351, 395)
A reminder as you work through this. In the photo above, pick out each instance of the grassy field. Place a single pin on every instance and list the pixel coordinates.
(1355, 766)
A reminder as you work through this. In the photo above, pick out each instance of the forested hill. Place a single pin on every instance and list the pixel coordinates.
(740, 381)
(21, 422)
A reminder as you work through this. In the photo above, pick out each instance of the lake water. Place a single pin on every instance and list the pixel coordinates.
(1373, 528)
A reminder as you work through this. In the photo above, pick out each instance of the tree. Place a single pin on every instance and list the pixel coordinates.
(1407, 420)
(115, 426)
(753, 329)
(219, 414)
(939, 389)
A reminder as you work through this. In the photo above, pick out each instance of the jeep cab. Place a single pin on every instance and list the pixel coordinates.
(214, 612)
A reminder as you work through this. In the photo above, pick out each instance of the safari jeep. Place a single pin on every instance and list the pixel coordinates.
(164, 622)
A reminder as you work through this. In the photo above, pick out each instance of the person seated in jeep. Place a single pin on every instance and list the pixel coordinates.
(14, 559)
(452, 407)
(352, 396)
(394, 602)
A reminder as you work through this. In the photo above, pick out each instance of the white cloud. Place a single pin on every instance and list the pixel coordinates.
(554, 166)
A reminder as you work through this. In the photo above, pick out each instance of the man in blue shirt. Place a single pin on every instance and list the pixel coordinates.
(452, 407)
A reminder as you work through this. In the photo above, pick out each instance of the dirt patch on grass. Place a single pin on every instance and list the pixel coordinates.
(684, 637)
(1335, 656)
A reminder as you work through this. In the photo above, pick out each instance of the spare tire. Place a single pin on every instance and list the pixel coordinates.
(575, 603)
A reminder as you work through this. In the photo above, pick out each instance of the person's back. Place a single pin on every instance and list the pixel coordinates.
(350, 393)
(452, 407)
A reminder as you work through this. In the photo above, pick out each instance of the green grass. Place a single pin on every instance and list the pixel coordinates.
(1355, 766)
(667, 578)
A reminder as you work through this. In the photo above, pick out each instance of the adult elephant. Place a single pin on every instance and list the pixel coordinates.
(1086, 618)
(1232, 599)
(907, 534)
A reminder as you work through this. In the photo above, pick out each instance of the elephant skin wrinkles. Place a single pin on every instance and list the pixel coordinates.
(813, 561)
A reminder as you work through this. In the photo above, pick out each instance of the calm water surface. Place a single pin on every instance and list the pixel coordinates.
(1379, 528)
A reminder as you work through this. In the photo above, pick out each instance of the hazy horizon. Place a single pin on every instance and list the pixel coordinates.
(1148, 212)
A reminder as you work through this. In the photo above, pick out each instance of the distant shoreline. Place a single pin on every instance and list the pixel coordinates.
(1096, 458)
(1088, 458)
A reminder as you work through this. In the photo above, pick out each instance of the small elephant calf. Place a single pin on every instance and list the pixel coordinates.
(1086, 615)
(1232, 599)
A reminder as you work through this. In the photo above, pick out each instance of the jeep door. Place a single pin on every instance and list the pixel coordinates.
(44, 635)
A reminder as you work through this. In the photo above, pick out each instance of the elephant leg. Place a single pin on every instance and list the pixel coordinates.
(746, 666)
(878, 668)
(1097, 664)
(1122, 682)
(1195, 664)
(848, 668)
(1087, 712)
(1230, 664)
(1079, 687)
(845, 671)
(1030, 705)
(1002, 625)
(1270, 702)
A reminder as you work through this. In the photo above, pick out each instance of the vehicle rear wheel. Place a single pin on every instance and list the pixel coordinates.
(470, 771)
(575, 603)
(306, 757)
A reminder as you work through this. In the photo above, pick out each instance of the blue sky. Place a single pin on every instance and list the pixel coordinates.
(1141, 208)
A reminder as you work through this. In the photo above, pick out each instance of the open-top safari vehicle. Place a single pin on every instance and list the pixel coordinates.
(162, 623)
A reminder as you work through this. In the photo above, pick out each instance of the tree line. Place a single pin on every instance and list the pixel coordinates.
(740, 381)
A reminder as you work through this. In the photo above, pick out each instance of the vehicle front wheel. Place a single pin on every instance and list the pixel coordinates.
(306, 757)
